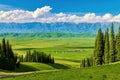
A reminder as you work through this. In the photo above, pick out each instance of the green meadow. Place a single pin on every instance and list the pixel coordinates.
(106, 72)
(67, 53)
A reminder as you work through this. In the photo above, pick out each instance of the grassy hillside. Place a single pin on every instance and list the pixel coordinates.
(106, 72)
(34, 66)
(46, 35)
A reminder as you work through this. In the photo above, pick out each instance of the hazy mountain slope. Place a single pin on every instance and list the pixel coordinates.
(53, 27)
(45, 35)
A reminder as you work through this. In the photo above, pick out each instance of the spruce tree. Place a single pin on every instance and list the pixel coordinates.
(95, 50)
(8, 49)
(0, 51)
(112, 45)
(7, 58)
(22, 58)
(82, 64)
(91, 61)
(118, 45)
(106, 47)
(4, 47)
(88, 64)
(99, 48)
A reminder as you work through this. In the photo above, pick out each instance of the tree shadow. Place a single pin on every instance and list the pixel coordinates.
(82, 47)
(27, 49)
(59, 66)
(25, 68)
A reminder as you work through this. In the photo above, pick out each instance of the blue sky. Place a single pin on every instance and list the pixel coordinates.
(49, 11)
(83, 6)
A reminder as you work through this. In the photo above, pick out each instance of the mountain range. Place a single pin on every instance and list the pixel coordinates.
(73, 28)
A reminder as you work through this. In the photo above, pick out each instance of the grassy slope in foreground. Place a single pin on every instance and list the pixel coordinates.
(106, 72)
(30, 66)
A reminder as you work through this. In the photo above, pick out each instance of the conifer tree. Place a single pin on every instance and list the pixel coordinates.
(95, 50)
(91, 61)
(0, 51)
(88, 64)
(7, 58)
(112, 45)
(22, 58)
(106, 47)
(99, 48)
(29, 57)
(118, 45)
(83, 63)
(4, 47)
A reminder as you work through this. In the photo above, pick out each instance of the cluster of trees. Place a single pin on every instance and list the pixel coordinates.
(107, 48)
(36, 56)
(88, 62)
(8, 60)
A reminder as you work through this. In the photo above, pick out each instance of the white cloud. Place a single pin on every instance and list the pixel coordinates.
(40, 11)
(45, 16)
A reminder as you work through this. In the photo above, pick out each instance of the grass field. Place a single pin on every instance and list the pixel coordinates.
(66, 51)
(106, 72)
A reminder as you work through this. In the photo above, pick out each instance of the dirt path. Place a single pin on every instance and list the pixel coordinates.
(24, 73)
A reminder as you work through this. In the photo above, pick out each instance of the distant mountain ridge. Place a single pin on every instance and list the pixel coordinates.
(45, 35)
(80, 28)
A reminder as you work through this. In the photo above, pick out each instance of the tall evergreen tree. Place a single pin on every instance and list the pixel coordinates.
(118, 45)
(91, 61)
(99, 48)
(95, 50)
(88, 64)
(106, 47)
(4, 47)
(83, 63)
(112, 45)
(7, 58)
(8, 49)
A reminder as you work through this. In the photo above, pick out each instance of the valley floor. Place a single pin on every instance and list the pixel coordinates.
(67, 53)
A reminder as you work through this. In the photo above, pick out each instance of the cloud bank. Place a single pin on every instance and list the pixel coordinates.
(44, 15)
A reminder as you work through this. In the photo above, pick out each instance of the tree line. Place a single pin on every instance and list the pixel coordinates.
(36, 56)
(106, 50)
(8, 60)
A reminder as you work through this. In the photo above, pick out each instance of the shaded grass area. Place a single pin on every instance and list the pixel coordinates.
(82, 47)
(32, 66)
(59, 66)
(106, 72)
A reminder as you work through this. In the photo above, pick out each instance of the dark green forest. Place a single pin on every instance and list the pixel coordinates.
(107, 49)
(8, 60)
(36, 56)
